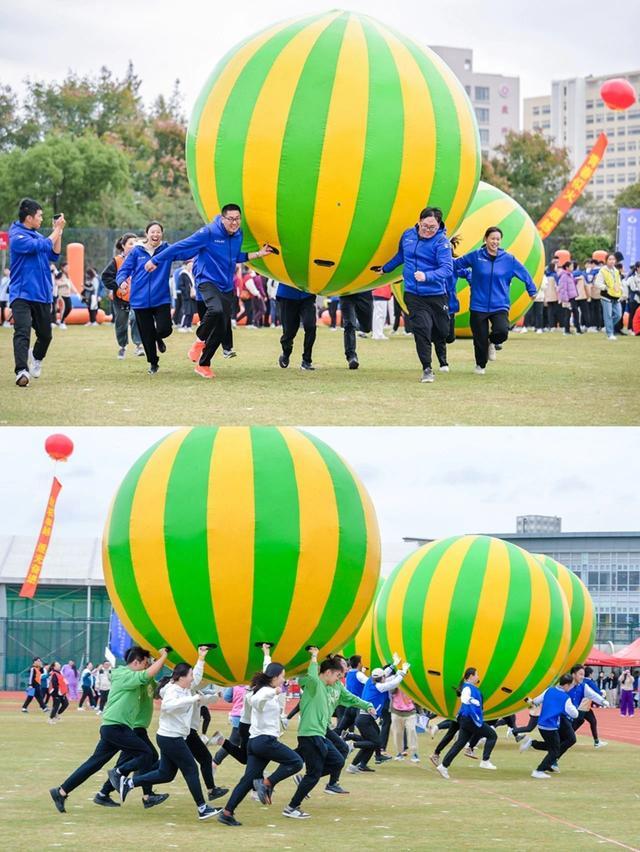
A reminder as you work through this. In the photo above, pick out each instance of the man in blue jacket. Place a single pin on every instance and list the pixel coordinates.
(490, 271)
(31, 287)
(425, 252)
(216, 249)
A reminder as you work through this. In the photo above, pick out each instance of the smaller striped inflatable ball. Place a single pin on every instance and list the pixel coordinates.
(474, 601)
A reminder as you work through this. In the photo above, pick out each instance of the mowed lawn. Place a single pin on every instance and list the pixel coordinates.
(545, 380)
(593, 803)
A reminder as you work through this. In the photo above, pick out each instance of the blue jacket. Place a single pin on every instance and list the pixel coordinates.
(148, 289)
(473, 711)
(431, 256)
(555, 703)
(215, 254)
(353, 684)
(379, 699)
(29, 257)
(292, 293)
(491, 278)
(452, 292)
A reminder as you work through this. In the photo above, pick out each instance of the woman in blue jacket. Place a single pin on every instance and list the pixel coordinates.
(425, 252)
(150, 294)
(491, 270)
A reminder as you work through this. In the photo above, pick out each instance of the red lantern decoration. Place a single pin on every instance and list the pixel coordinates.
(58, 447)
(618, 94)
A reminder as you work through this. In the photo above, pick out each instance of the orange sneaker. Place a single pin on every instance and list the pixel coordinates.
(196, 351)
(205, 372)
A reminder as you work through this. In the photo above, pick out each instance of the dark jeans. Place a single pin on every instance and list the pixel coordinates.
(333, 313)
(261, 751)
(555, 743)
(482, 336)
(370, 741)
(126, 762)
(429, 323)
(590, 717)
(59, 705)
(214, 325)
(347, 720)
(441, 345)
(203, 757)
(87, 692)
(293, 312)
(357, 310)
(28, 315)
(320, 758)
(554, 314)
(531, 725)
(342, 748)
(385, 727)
(113, 738)
(585, 313)
(174, 756)
(227, 340)
(470, 731)
(236, 745)
(37, 694)
(154, 324)
(104, 695)
(568, 313)
(67, 307)
(452, 730)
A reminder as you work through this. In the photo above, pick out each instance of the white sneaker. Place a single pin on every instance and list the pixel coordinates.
(479, 371)
(379, 337)
(538, 331)
(35, 367)
(399, 757)
(139, 349)
(611, 336)
(63, 326)
(415, 758)
(492, 352)
(524, 329)
(352, 768)
(537, 774)
(443, 771)
(80, 709)
(22, 378)
(486, 764)
(444, 368)
(600, 744)
(526, 743)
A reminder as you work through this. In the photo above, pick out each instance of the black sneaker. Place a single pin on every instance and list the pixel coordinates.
(383, 758)
(336, 789)
(58, 799)
(152, 799)
(363, 768)
(229, 353)
(307, 365)
(353, 363)
(162, 346)
(263, 790)
(208, 812)
(125, 788)
(217, 793)
(153, 369)
(227, 819)
(283, 360)
(114, 779)
(105, 801)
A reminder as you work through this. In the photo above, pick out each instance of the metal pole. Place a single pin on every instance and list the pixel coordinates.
(88, 634)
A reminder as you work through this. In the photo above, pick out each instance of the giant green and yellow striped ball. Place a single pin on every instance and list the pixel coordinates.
(362, 642)
(474, 601)
(332, 132)
(581, 611)
(491, 206)
(240, 536)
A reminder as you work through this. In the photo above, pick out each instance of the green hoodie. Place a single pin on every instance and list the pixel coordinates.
(123, 704)
(320, 700)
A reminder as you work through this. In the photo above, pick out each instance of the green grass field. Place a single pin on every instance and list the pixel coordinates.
(594, 802)
(538, 380)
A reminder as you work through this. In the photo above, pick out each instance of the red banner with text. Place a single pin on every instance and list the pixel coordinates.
(30, 584)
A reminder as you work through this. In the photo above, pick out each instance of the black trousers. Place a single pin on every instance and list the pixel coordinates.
(104, 695)
(347, 720)
(357, 312)
(397, 313)
(452, 730)
(483, 336)
(597, 319)
(385, 727)
(227, 340)
(429, 323)
(342, 748)
(214, 324)
(113, 738)
(292, 313)
(554, 314)
(205, 715)
(531, 725)
(261, 751)
(561, 740)
(174, 756)
(538, 315)
(59, 705)
(320, 758)
(371, 740)
(28, 315)
(37, 694)
(87, 692)
(568, 313)
(590, 717)
(154, 324)
(333, 312)
(127, 762)
(236, 745)
(441, 345)
(585, 313)
(203, 758)
(67, 307)
(470, 731)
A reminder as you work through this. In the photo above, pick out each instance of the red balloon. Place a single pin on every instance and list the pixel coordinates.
(58, 447)
(618, 94)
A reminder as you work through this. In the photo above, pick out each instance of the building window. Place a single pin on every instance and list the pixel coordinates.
(599, 178)
(484, 136)
(467, 65)
(546, 125)
(482, 93)
(536, 110)
(590, 134)
(546, 109)
(634, 131)
(482, 114)
(622, 146)
(505, 109)
(589, 104)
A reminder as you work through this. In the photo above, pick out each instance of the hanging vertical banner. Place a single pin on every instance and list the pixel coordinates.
(574, 189)
(628, 236)
(30, 584)
(119, 639)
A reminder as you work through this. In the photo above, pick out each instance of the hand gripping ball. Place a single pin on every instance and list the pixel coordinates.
(581, 611)
(332, 132)
(491, 206)
(474, 601)
(238, 536)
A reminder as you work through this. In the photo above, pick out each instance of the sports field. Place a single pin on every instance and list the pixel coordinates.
(538, 380)
(592, 803)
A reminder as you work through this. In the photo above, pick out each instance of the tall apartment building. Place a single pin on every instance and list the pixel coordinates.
(495, 98)
(574, 115)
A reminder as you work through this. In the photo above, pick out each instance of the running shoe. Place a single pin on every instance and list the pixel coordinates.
(162, 346)
(444, 368)
(525, 744)
(35, 366)
(435, 759)
(121, 353)
(443, 771)
(154, 799)
(336, 789)
(469, 752)
(600, 744)
(479, 371)
(283, 361)
(295, 813)
(227, 819)
(492, 352)
(195, 350)
(217, 793)
(207, 812)
(229, 353)
(427, 376)
(204, 372)
(23, 378)
(105, 801)
(353, 363)
(263, 790)
(486, 764)
(307, 365)
(537, 774)
(58, 799)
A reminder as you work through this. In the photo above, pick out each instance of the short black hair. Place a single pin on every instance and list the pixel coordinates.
(565, 680)
(229, 207)
(136, 654)
(436, 212)
(491, 229)
(354, 661)
(577, 668)
(152, 223)
(28, 207)
(180, 670)
(331, 664)
(120, 243)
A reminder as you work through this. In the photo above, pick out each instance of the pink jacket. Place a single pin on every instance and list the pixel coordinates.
(401, 702)
(237, 700)
(567, 288)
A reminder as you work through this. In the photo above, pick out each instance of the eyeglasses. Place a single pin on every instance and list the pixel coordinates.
(429, 227)
(235, 219)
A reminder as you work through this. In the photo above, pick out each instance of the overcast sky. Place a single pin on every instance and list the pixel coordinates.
(423, 482)
(549, 39)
